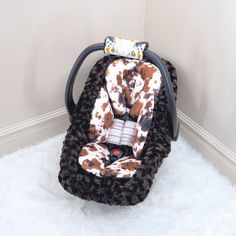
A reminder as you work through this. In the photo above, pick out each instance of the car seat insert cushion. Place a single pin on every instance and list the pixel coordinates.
(121, 117)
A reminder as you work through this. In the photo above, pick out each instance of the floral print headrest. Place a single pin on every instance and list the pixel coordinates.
(125, 47)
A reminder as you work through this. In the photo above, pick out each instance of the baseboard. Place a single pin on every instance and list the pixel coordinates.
(211, 148)
(55, 122)
(34, 130)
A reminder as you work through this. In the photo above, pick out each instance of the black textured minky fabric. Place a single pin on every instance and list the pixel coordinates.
(112, 190)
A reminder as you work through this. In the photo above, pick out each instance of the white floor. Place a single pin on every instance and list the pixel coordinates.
(188, 197)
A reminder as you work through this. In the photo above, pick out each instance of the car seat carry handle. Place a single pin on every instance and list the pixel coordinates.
(69, 101)
(156, 60)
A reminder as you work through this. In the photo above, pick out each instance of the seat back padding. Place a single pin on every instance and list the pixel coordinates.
(131, 85)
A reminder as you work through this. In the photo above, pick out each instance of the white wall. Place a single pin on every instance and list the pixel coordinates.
(40, 40)
(199, 38)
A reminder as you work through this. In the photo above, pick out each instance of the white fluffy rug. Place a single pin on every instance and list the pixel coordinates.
(188, 197)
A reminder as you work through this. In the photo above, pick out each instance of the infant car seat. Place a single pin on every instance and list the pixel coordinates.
(122, 125)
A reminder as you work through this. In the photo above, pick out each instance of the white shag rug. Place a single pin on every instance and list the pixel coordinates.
(188, 197)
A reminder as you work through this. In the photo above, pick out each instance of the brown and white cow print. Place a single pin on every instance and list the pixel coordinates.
(102, 117)
(94, 158)
(137, 83)
(131, 85)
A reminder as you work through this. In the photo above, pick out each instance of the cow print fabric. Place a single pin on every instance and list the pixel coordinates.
(131, 87)
(112, 190)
